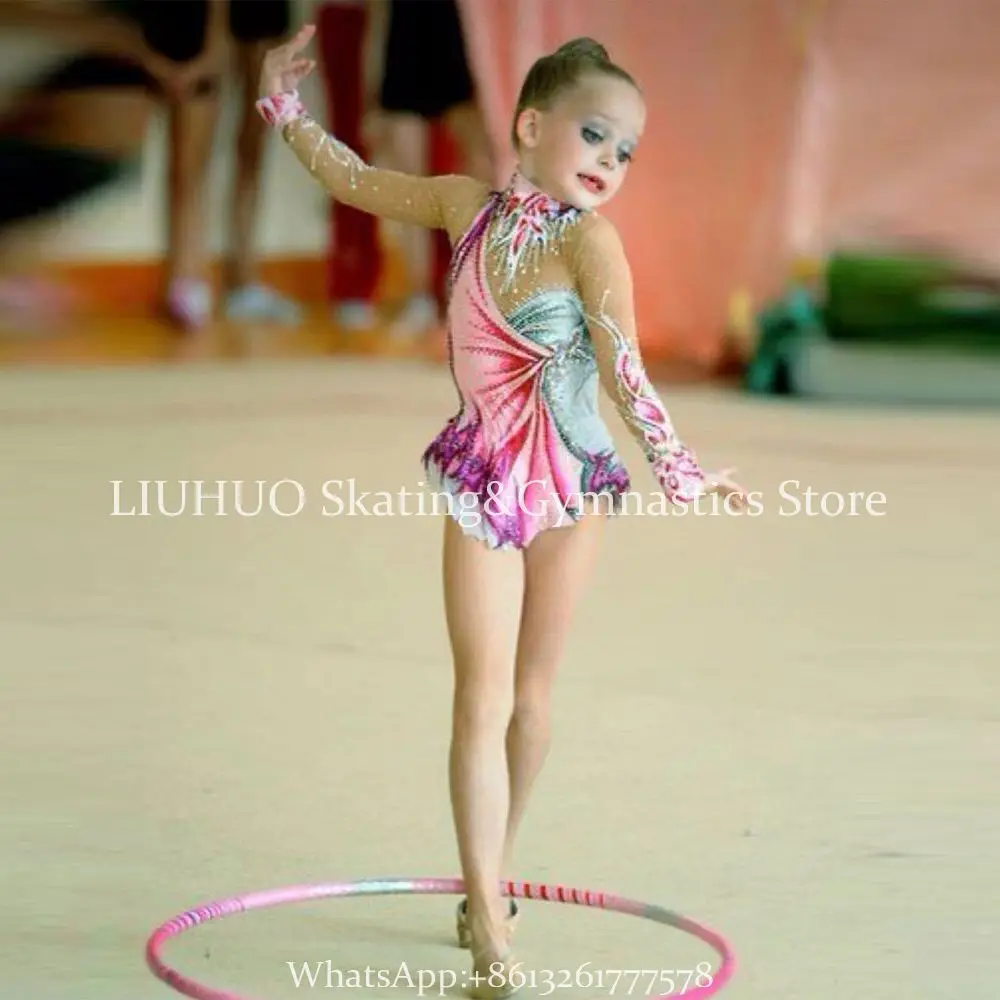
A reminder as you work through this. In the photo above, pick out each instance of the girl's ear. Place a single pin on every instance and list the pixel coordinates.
(528, 125)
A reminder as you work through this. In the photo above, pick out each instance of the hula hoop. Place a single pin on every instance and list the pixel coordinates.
(445, 886)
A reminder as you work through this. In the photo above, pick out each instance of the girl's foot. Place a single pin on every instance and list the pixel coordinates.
(462, 923)
(494, 969)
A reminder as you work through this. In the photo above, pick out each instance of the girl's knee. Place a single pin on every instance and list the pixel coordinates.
(532, 706)
(481, 705)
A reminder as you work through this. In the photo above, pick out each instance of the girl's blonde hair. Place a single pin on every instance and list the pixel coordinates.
(557, 72)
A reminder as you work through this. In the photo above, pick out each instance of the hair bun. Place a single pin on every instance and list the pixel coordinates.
(583, 49)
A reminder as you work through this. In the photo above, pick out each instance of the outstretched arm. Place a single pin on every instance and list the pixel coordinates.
(604, 282)
(435, 202)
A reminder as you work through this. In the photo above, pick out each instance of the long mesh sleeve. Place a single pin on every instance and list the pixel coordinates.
(604, 283)
(441, 202)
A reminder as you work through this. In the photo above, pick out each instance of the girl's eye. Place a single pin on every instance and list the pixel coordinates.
(592, 135)
(625, 156)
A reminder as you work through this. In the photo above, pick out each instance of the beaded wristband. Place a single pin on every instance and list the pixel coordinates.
(280, 109)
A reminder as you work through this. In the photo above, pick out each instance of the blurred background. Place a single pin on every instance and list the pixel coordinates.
(813, 210)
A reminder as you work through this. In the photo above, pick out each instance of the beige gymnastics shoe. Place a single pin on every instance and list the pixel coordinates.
(462, 925)
(494, 977)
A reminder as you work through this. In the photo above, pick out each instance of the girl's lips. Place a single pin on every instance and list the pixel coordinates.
(592, 183)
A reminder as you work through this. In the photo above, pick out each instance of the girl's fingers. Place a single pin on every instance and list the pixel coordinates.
(301, 38)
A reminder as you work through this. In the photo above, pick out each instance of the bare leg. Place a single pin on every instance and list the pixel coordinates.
(465, 122)
(192, 131)
(246, 297)
(558, 565)
(109, 122)
(404, 147)
(250, 145)
(480, 609)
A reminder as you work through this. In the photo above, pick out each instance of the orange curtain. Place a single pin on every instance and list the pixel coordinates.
(914, 125)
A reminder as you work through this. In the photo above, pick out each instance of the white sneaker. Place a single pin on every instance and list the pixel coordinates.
(355, 315)
(256, 303)
(418, 316)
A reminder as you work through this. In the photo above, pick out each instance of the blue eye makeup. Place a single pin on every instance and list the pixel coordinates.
(594, 136)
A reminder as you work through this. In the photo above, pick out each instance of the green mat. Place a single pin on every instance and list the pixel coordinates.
(925, 328)
(909, 300)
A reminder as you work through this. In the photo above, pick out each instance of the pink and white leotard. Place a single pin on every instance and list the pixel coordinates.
(540, 315)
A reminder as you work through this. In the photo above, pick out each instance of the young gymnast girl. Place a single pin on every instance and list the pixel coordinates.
(540, 314)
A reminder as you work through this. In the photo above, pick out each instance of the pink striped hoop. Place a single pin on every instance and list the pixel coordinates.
(694, 989)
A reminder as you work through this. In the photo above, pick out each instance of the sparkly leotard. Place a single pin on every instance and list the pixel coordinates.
(540, 315)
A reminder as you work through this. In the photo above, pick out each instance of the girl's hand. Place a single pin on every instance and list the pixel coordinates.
(283, 69)
(722, 484)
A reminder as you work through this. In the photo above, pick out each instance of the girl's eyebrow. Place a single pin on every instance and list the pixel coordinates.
(614, 121)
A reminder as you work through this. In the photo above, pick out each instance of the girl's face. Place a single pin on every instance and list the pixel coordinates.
(580, 149)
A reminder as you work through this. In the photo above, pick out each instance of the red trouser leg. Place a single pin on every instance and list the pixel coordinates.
(354, 262)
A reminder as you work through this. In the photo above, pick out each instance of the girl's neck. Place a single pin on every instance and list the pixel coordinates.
(530, 174)
(526, 177)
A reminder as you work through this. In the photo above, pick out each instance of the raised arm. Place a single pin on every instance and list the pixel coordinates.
(447, 202)
(604, 282)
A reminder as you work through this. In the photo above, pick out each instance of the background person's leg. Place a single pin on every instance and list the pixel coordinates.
(414, 93)
(405, 147)
(183, 32)
(40, 182)
(69, 137)
(465, 123)
(255, 26)
(192, 123)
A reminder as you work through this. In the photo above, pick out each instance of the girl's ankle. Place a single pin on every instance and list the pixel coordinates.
(487, 919)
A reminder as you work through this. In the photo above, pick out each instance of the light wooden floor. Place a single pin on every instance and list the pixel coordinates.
(786, 727)
(91, 337)
(140, 340)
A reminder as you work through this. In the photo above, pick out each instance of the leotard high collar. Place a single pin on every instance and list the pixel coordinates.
(525, 198)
